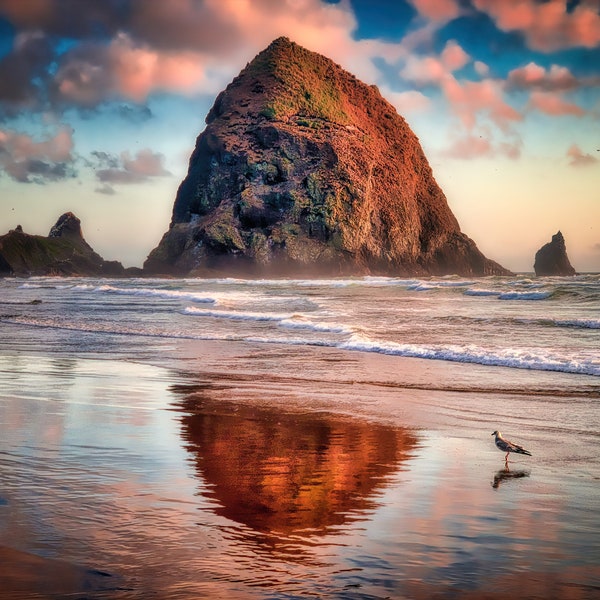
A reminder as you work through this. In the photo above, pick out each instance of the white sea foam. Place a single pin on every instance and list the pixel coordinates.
(235, 316)
(286, 321)
(506, 357)
(319, 326)
(156, 293)
(521, 358)
(422, 287)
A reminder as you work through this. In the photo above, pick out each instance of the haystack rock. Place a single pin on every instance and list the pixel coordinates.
(552, 259)
(63, 252)
(303, 169)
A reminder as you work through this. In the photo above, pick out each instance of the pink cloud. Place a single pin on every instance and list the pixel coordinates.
(580, 159)
(127, 169)
(437, 10)
(94, 72)
(145, 163)
(481, 68)
(407, 102)
(26, 160)
(553, 104)
(537, 77)
(469, 99)
(472, 146)
(185, 46)
(454, 57)
(425, 70)
(547, 26)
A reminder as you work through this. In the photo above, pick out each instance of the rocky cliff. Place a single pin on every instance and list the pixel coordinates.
(552, 259)
(63, 252)
(304, 169)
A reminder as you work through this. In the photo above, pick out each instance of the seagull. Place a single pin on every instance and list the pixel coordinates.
(508, 447)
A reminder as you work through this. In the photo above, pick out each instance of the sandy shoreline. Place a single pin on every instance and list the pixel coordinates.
(235, 469)
(27, 576)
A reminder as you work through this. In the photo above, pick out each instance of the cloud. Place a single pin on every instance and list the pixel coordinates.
(481, 68)
(105, 189)
(454, 57)
(547, 26)
(29, 161)
(554, 105)
(424, 70)
(130, 50)
(93, 72)
(470, 99)
(472, 145)
(411, 101)
(26, 64)
(125, 169)
(67, 18)
(577, 158)
(437, 10)
(533, 76)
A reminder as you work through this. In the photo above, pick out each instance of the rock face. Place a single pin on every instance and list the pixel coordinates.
(304, 169)
(552, 259)
(63, 252)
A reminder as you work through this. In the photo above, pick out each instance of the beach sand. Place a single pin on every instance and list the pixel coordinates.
(24, 575)
(250, 471)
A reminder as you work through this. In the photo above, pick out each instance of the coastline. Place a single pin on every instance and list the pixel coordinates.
(362, 455)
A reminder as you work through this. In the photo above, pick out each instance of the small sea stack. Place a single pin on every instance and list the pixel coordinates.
(551, 259)
(63, 252)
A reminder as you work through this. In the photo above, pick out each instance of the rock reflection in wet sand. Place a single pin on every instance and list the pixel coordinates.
(290, 472)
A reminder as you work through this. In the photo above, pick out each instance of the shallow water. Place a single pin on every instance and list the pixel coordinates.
(549, 324)
(286, 472)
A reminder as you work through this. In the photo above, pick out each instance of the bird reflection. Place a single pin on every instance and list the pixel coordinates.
(283, 472)
(506, 475)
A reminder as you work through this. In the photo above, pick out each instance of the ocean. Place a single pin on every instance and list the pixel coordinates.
(230, 438)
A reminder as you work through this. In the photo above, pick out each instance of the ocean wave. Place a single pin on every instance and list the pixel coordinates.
(45, 286)
(572, 323)
(578, 323)
(475, 292)
(152, 292)
(525, 295)
(235, 316)
(422, 287)
(288, 321)
(507, 357)
(318, 326)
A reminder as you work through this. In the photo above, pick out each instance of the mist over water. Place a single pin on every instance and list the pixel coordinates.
(279, 439)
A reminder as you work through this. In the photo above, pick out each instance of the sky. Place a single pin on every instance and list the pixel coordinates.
(101, 102)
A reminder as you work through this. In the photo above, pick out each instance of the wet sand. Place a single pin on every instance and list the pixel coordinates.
(253, 472)
(25, 575)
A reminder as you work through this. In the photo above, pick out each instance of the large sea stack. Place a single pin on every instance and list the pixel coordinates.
(64, 252)
(552, 259)
(303, 169)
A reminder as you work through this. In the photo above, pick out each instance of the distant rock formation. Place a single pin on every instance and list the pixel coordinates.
(552, 259)
(63, 252)
(304, 169)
